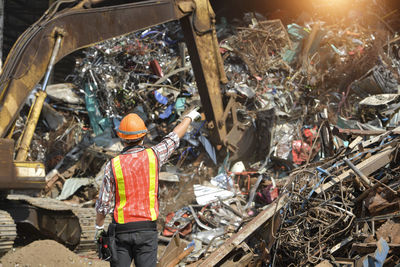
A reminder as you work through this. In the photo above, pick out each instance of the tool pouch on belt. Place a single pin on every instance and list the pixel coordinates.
(107, 245)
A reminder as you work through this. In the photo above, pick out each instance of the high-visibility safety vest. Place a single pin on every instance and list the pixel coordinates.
(136, 186)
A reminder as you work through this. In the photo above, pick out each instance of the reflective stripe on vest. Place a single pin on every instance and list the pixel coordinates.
(135, 174)
(121, 189)
(152, 187)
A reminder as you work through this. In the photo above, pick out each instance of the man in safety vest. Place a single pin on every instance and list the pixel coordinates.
(130, 190)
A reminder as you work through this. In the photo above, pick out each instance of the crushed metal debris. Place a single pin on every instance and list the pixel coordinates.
(318, 103)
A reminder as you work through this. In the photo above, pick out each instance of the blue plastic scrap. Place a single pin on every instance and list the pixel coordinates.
(160, 98)
(167, 112)
(323, 171)
(223, 181)
(191, 244)
(379, 256)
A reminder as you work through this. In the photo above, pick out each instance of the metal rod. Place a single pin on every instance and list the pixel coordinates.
(358, 173)
(52, 62)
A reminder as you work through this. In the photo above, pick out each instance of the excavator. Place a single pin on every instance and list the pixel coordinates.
(69, 25)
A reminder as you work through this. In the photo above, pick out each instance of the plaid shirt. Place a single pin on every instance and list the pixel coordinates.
(163, 150)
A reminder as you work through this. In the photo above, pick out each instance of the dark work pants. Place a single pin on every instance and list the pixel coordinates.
(140, 246)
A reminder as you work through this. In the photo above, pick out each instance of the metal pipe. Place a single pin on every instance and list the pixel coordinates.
(52, 62)
(37, 107)
(197, 219)
(358, 172)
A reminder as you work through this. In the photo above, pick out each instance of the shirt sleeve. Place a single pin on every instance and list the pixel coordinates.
(166, 147)
(105, 202)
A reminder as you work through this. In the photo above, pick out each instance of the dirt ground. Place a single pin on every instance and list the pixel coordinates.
(47, 253)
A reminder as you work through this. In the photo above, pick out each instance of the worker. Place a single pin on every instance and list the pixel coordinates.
(130, 191)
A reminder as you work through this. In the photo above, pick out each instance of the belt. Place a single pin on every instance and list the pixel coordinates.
(135, 226)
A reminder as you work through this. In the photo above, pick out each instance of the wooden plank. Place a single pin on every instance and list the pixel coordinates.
(245, 232)
(367, 167)
(172, 251)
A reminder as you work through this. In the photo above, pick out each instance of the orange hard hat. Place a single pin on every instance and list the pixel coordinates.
(132, 127)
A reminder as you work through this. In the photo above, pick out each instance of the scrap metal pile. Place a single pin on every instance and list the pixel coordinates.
(337, 206)
(321, 187)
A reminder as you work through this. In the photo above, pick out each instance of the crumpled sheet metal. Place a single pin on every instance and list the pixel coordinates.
(207, 194)
(71, 185)
(64, 92)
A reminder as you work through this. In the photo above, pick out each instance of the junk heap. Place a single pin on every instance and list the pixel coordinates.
(322, 186)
